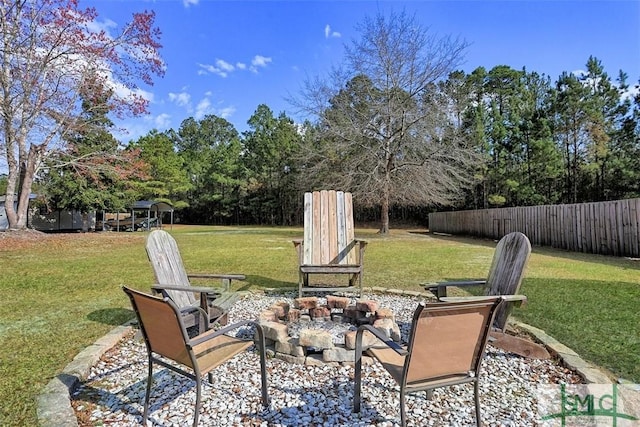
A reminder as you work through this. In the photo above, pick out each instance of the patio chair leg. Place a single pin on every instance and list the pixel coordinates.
(477, 401)
(198, 398)
(147, 396)
(357, 379)
(403, 410)
(261, 345)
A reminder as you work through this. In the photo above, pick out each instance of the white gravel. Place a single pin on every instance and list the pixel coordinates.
(308, 395)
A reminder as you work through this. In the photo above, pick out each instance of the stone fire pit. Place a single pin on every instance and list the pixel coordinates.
(315, 331)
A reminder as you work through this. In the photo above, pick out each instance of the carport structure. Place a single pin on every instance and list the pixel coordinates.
(149, 207)
(144, 215)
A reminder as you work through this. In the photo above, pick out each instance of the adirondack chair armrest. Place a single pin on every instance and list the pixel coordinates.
(381, 336)
(217, 276)
(439, 289)
(194, 289)
(226, 278)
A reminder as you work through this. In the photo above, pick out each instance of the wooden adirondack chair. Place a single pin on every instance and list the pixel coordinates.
(329, 245)
(173, 283)
(505, 276)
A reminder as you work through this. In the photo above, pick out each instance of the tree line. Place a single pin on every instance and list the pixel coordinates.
(396, 123)
(536, 141)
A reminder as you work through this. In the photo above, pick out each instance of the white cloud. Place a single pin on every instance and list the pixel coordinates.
(328, 33)
(123, 92)
(206, 107)
(203, 108)
(223, 68)
(226, 112)
(106, 25)
(259, 61)
(188, 3)
(182, 99)
(224, 65)
(162, 121)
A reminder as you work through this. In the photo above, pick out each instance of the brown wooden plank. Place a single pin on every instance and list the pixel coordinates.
(612, 228)
(623, 218)
(324, 227)
(332, 229)
(317, 228)
(633, 219)
(352, 257)
(341, 227)
(579, 228)
(594, 227)
(307, 246)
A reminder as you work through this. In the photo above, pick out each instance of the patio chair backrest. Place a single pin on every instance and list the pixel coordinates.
(448, 339)
(161, 324)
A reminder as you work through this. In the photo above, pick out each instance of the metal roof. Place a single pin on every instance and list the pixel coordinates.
(151, 205)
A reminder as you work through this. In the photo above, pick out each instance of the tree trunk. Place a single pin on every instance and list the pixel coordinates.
(18, 219)
(12, 185)
(384, 209)
(384, 215)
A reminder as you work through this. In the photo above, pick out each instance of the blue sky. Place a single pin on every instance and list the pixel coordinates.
(227, 57)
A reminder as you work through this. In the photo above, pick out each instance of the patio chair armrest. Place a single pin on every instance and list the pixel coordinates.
(382, 337)
(193, 308)
(517, 300)
(206, 336)
(439, 289)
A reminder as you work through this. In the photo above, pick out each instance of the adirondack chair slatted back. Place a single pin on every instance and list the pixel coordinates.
(507, 270)
(328, 228)
(168, 268)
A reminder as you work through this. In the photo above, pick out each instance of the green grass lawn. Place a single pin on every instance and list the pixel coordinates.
(61, 293)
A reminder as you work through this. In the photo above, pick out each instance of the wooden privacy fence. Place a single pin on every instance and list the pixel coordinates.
(608, 228)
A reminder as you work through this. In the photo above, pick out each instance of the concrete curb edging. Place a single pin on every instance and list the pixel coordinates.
(54, 402)
(591, 373)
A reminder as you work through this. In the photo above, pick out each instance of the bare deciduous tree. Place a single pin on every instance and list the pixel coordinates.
(50, 50)
(387, 130)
